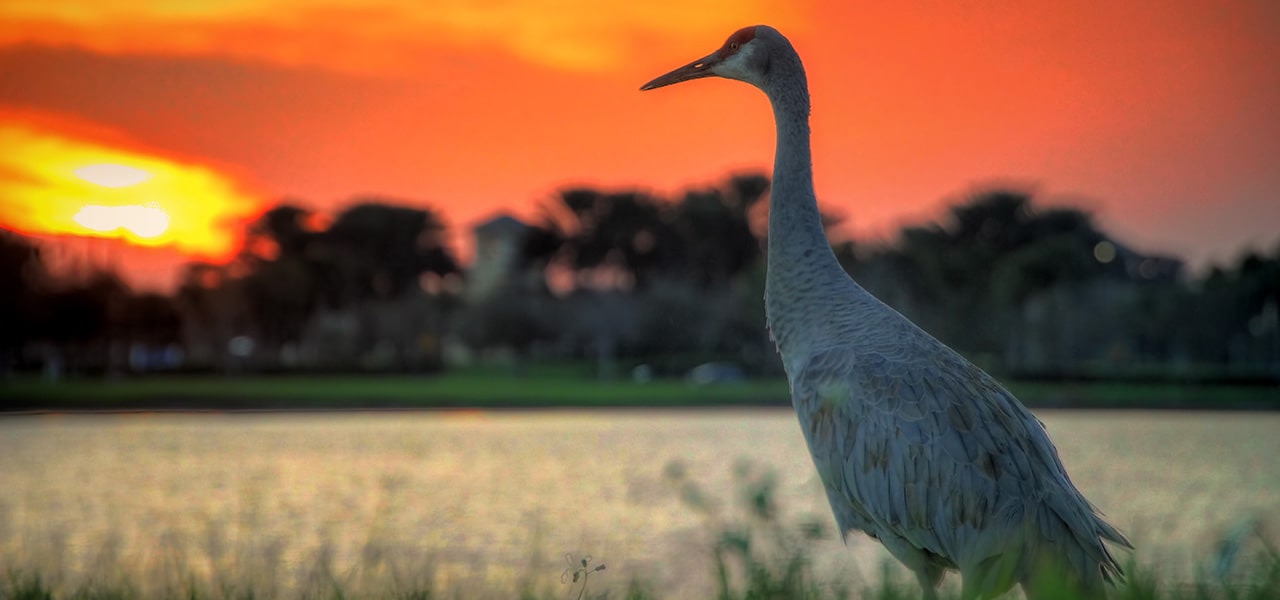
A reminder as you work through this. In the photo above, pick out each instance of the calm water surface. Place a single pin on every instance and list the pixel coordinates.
(505, 495)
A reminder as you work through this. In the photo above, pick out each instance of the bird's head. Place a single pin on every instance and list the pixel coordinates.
(745, 56)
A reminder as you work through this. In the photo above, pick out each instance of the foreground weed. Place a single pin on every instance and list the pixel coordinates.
(580, 570)
(755, 553)
(25, 586)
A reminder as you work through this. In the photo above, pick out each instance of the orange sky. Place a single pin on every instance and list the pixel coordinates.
(1159, 116)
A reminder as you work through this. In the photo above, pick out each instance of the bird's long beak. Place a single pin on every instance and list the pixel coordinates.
(695, 70)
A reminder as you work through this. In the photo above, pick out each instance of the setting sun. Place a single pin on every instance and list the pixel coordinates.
(112, 176)
(146, 222)
(62, 184)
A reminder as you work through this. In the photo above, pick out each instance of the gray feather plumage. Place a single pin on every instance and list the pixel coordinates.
(915, 445)
(924, 451)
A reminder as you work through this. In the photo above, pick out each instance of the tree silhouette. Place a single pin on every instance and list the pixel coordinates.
(290, 268)
(715, 229)
(967, 275)
(283, 226)
(1233, 313)
(288, 274)
(22, 276)
(147, 318)
(380, 250)
(705, 238)
(671, 281)
(214, 310)
(621, 237)
(77, 316)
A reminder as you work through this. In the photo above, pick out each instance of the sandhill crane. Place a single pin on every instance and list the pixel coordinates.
(915, 445)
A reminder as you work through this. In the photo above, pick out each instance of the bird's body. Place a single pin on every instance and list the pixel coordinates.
(915, 445)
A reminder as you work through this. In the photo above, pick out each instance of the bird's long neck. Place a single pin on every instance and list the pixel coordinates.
(804, 276)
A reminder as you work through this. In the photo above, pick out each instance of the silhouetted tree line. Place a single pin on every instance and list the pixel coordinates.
(627, 277)
(78, 320)
(306, 293)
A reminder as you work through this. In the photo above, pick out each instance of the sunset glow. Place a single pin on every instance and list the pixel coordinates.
(112, 176)
(192, 117)
(54, 184)
(381, 36)
(144, 222)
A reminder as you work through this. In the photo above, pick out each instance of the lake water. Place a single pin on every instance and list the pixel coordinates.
(455, 496)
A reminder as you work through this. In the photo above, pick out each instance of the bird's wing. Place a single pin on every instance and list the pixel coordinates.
(925, 447)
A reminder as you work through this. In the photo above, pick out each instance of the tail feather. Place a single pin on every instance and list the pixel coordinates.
(1112, 572)
(1078, 560)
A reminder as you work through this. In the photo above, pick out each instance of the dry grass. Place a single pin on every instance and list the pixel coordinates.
(755, 555)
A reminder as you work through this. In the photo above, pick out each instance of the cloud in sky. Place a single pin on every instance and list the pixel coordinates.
(379, 36)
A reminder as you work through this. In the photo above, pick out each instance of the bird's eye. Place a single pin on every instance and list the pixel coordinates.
(733, 46)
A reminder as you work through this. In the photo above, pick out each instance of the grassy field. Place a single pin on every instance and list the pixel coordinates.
(541, 387)
(782, 579)
(469, 389)
(755, 555)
